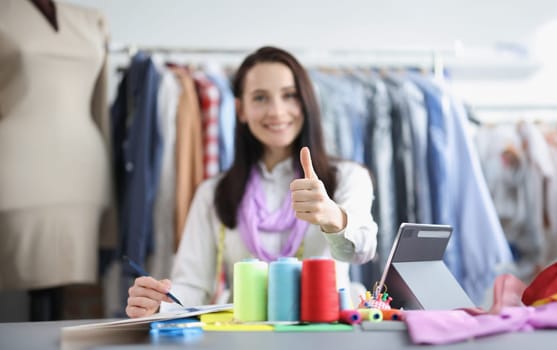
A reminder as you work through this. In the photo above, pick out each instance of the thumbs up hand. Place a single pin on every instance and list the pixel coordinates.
(311, 202)
(307, 165)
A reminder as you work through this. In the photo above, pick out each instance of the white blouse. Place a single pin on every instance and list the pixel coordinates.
(193, 274)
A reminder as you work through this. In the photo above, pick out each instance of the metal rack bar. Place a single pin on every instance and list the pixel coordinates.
(380, 56)
(510, 108)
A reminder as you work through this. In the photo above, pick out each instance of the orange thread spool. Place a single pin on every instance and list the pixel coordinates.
(392, 315)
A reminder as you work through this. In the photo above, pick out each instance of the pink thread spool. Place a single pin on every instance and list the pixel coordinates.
(349, 317)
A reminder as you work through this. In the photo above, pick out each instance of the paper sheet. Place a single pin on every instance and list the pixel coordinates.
(126, 331)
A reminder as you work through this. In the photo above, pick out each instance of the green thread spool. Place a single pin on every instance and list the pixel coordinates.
(373, 315)
(250, 290)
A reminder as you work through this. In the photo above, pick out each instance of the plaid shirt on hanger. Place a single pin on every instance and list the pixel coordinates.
(209, 100)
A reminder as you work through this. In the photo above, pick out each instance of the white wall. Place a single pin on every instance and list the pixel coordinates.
(323, 23)
(498, 60)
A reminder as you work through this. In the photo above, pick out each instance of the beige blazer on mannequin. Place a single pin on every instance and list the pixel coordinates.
(54, 155)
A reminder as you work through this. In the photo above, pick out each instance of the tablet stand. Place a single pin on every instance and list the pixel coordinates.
(425, 285)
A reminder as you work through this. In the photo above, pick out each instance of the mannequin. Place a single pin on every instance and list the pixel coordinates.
(48, 9)
(54, 160)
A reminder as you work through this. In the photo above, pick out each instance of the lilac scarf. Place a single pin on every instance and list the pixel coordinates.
(254, 218)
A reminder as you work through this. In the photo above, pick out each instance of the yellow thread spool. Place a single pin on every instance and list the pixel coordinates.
(373, 315)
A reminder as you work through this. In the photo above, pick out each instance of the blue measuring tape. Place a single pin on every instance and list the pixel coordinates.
(184, 328)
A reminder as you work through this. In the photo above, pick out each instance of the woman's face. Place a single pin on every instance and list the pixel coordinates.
(271, 107)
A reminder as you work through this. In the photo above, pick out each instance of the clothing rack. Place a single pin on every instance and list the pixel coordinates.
(513, 108)
(131, 50)
(500, 114)
(381, 57)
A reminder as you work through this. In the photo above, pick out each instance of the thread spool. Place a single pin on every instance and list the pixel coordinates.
(349, 317)
(283, 302)
(319, 296)
(392, 315)
(250, 290)
(373, 315)
(364, 313)
(344, 299)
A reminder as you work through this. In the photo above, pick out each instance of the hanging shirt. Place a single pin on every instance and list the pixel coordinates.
(193, 275)
(226, 118)
(482, 249)
(418, 121)
(507, 182)
(189, 151)
(209, 98)
(165, 200)
(137, 149)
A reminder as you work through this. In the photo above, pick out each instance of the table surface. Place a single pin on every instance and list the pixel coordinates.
(46, 335)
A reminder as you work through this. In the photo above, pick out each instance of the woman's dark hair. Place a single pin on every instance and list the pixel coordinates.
(248, 150)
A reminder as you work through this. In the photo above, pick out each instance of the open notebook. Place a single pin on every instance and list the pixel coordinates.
(126, 331)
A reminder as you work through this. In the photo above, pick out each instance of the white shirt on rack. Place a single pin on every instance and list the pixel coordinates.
(193, 274)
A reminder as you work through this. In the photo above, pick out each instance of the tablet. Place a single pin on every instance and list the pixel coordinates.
(415, 275)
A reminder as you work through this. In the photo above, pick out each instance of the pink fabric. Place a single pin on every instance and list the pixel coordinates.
(507, 291)
(545, 316)
(450, 326)
(510, 291)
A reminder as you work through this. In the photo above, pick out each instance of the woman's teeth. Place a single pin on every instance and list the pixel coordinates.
(277, 127)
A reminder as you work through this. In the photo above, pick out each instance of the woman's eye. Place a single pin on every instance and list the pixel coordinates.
(259, 98)
(291, 95)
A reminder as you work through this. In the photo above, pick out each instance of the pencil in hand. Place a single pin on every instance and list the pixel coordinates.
(140, 272)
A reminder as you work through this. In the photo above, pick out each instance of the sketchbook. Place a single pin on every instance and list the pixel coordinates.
(126, 331)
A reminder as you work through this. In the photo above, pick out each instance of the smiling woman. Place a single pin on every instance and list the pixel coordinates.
(277, 199)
